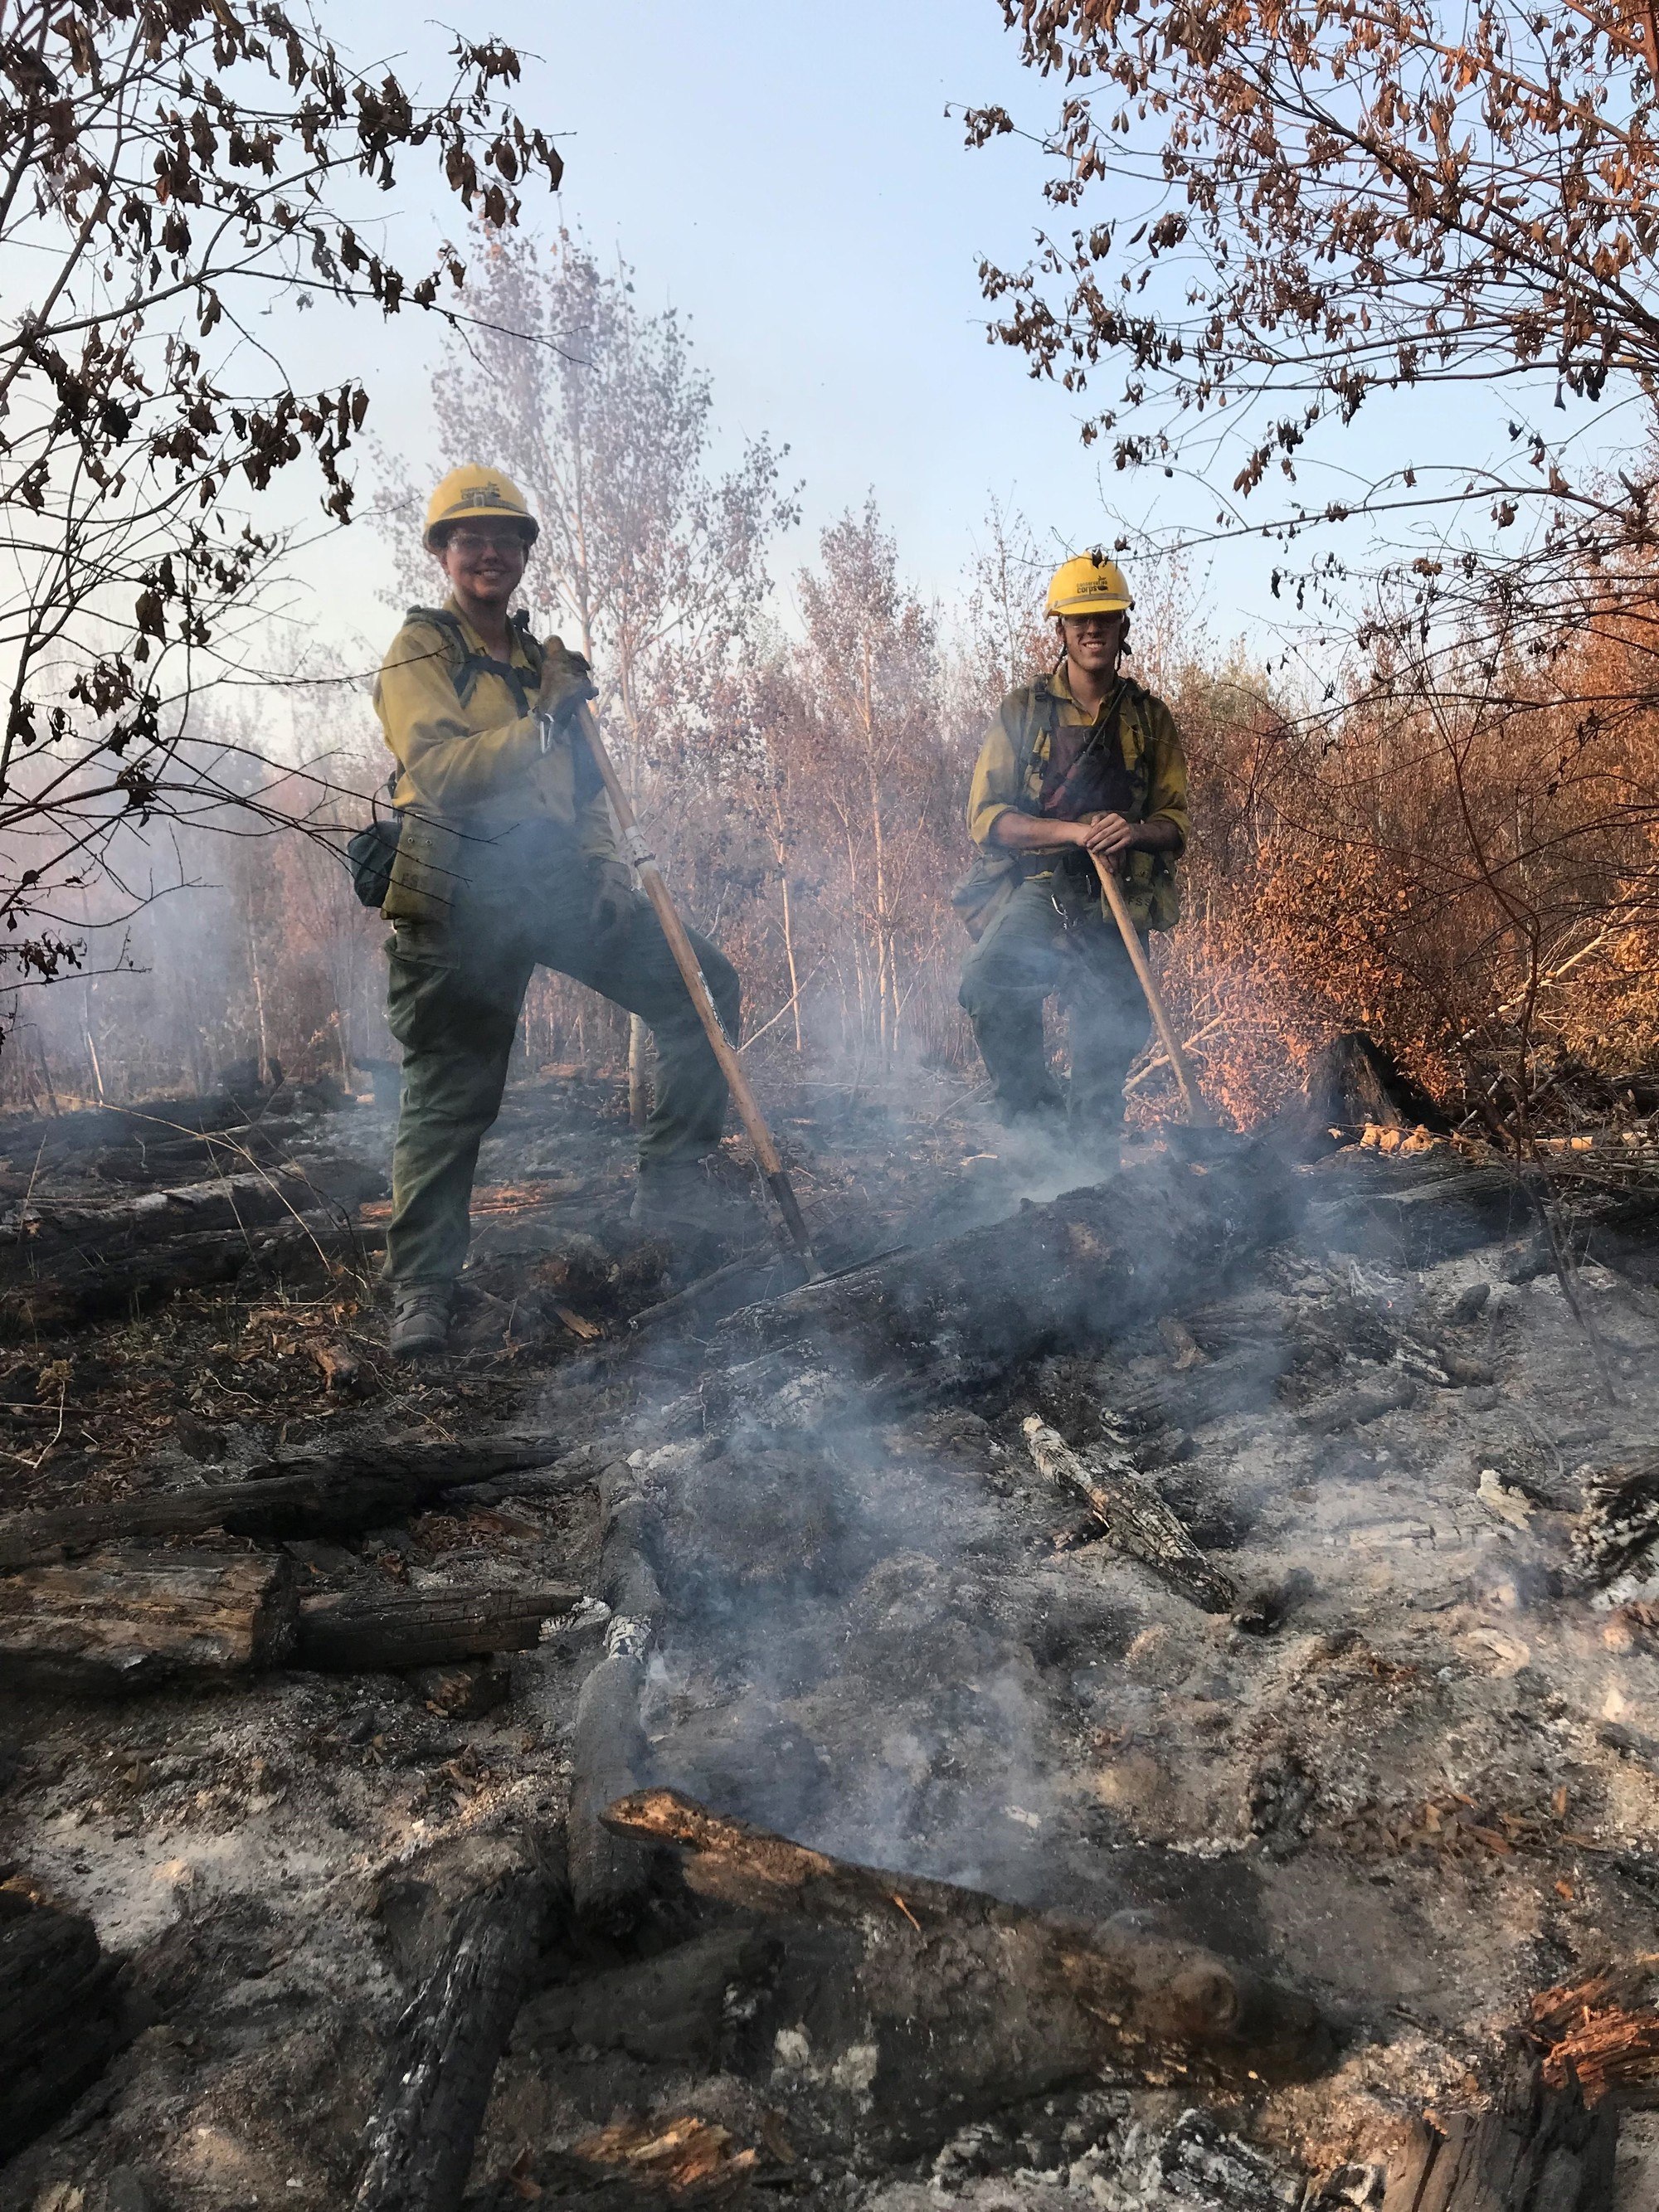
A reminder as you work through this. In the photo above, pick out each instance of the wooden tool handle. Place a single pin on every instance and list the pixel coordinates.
(685, 959)
(1198, 1114)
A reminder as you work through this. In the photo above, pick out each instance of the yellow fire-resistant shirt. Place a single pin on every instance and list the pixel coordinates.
(1152, 755)
(472, 768)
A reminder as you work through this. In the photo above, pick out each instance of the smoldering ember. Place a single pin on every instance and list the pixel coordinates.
(829, 1383)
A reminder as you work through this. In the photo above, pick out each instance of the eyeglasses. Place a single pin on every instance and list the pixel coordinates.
(487, 541)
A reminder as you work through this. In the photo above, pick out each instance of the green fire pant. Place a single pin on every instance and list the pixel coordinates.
(455, 992)
(1029, 952)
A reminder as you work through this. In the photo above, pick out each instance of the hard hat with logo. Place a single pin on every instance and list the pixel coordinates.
(1091, 584)
(476, 495)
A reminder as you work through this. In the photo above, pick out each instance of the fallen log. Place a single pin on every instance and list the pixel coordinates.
(59, 2014)
(43, 1234)
(1538, 2150)
(304, 1494)
(352, 1635)
(1134, 1517)
(121, 1622)
(447, 2046)
(64, 1299)
(609, 1872)
(1090, 1265)
(961, 2001)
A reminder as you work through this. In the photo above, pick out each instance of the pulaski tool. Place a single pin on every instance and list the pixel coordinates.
(685, 959)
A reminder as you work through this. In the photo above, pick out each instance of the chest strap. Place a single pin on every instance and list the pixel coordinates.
(466, 666)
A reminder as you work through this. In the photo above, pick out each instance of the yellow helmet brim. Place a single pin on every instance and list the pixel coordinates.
(1094, 604)
(526, 525)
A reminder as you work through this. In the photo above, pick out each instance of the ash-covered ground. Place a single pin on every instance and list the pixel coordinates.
(1413, 1774)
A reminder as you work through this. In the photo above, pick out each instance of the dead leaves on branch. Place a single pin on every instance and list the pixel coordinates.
(1338, 200)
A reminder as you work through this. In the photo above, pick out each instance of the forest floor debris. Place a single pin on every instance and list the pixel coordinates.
(1412, 1772)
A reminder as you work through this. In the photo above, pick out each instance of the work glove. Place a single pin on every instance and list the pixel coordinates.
(613, 902)
(567, 680)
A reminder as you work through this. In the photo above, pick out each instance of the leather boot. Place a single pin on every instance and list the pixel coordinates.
(420, 1319)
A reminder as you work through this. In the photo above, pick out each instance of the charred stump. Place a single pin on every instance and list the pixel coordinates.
(1538, 2150)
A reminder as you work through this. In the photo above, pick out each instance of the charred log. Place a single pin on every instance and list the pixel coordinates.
(672, 2011)
(59, 2014)
(1091, 1264)
(46, 1235)
(1134, 1516)
(609, 1871)
(307, 1494)
(118, 1622)
(963, 2001)
(350, 1635)
(448, 2045)
(74, 1293)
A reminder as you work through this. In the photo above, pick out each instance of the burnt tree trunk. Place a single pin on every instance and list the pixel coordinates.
(963, 2002)
(348, 1634)
(447, 2048)
(118, 1622)
(1091, 1264)
(70, 1296)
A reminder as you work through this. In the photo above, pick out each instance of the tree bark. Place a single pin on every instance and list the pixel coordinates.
(1134, 1517)
(448, 2045)
(119, 1622)
(348, 1635)
(307, 1494)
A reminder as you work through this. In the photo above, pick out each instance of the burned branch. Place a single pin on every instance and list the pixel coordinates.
(1134, 1518)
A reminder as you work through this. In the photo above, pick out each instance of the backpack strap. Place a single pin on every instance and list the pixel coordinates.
(466, 666)
(1044, 718)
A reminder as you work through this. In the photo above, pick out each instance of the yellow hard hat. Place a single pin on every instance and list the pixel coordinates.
(1091, 584)
(476, 495)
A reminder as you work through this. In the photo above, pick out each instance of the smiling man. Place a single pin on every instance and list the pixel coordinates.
(507, 858)
(1081, 767)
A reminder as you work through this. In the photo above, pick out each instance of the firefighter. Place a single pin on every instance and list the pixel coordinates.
(1082, 766)
(506, 858)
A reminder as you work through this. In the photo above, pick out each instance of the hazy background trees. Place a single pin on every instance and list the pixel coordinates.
(1432, 811)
